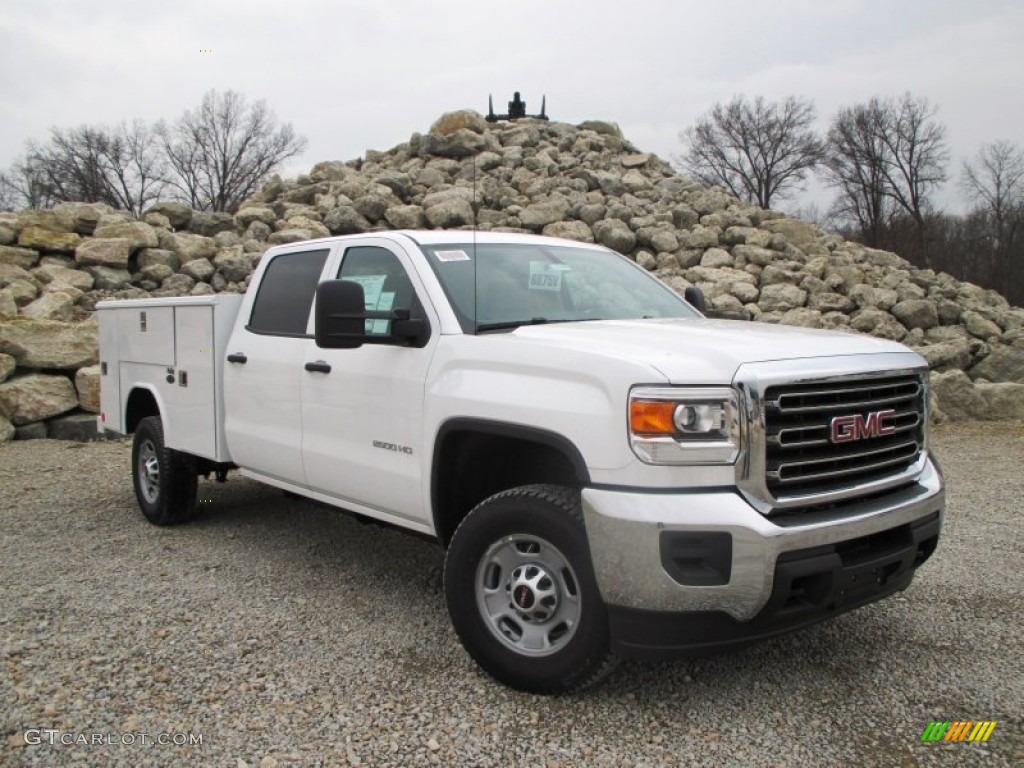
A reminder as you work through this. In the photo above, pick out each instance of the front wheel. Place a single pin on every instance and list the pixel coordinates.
(165, 480)
(521, 591)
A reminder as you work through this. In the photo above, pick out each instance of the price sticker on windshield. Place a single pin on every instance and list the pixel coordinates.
(545, 276)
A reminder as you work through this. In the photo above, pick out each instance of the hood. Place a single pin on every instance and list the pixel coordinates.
(699, 351)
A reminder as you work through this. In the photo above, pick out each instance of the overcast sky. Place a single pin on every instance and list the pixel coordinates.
(353, 75)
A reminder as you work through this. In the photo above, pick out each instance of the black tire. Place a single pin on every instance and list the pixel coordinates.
(521, 591)
(165, 481)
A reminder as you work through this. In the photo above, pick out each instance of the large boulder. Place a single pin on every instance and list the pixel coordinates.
(615, 234)
(87, 384)
(49, 344)
(957, 397)
(80, 427)
(26, 258)
(42, 239)
(188, 246)
(36, 396)
(1002, 364)
(178, 214)
(7, 430)
(137, 233)
(7, 366)
(105, 252)
(55, 305)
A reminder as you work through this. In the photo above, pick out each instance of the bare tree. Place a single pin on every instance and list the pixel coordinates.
(994, 182)
(119, 166)
(854, 163)
(23, 185)
(758, 150)
(222, 151)
(888, 150)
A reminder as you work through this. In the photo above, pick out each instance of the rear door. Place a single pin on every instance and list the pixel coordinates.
(362, 409)
(263, 375)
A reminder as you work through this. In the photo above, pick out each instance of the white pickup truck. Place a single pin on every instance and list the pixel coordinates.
(611, 473)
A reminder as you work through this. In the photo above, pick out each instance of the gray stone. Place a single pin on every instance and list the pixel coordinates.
(149, 256)
(51, 306)
(603, 127)
(202, 289)
(1001, 364)
(8, 306)
(138, 234)
(26, 258)
(35, 397)
(698, 237)
(637, 160)
(460, 143)
(7, 366)
(84, 216)
(210, 223)
(251, 213)
(1003, 400)
(615, 234)
(80, 427)
(980, 326)
(34, 431)
(198, 269)
(157, 273)
(177, 213)
(536, 216)
(781, 297)
(916, 313)
(798, 233)
(157, 221)
(459, 120)
(664, 241)
(830, 302)
(233, 264)
(946, 355)
(404, 216)
(878, 323)
(373, 207)
(49, 344)
(802, 317)
(571, 230)
(178, 285)
(42, 239)
(87, 385)
(716, 257)
(958, 398)
(346, 220)
(55, 220)
(105, 252)
(57, 277)
(188, 246)
(453, 212)
(7, 430)
(109, 278)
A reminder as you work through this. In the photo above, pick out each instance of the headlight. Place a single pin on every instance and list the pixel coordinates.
(685, 425)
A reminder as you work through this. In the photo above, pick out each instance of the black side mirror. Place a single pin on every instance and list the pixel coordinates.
(695, 297)
(340, 320)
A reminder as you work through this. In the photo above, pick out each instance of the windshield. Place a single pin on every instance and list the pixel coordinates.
(498, 286)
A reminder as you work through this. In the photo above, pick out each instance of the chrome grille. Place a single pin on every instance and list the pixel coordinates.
(800, 455)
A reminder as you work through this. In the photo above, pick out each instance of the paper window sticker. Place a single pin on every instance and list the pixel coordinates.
(371, 288)
(456, 255)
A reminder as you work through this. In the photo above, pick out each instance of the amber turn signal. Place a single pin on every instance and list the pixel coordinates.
(651, 417)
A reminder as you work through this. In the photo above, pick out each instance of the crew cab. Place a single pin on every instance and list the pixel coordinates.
(610, 472)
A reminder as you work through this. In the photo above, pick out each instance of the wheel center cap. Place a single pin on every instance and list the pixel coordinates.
(524, 597)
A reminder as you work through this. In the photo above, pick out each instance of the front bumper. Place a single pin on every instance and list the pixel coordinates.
(739, 575)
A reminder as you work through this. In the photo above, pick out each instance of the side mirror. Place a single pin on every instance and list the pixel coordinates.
(695, 297)
(340, 320)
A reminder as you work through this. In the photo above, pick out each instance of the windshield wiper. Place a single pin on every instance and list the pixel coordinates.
(511, 324)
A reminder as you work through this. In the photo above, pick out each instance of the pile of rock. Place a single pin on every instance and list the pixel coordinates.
(582, 182)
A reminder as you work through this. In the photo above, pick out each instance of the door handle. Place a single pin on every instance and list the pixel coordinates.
(237, 357)
(318, 367)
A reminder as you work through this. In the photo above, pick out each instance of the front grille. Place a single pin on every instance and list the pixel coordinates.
(800, 455)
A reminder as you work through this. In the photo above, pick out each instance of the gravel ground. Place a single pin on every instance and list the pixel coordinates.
(281, 633)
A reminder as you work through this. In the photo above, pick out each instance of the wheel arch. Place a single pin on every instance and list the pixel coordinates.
(476, 458)
(142, 401)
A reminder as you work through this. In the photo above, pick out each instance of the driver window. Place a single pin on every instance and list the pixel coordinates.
(386, 284)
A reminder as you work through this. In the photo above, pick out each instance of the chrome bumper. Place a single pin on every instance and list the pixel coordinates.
(624, 530)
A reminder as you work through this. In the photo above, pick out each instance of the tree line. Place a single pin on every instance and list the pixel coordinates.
(212, 157)
(885, 160)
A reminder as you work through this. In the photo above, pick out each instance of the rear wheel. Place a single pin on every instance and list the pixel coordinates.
(521, 591)
(165, 481)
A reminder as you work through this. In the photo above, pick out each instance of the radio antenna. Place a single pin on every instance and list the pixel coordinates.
(475, 206)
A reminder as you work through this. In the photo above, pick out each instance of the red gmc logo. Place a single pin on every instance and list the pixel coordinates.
(847, 428)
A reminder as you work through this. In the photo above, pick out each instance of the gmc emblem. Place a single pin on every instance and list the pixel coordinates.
(847, 428)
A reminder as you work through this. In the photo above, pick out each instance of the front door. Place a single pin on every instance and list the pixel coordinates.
(362, 409)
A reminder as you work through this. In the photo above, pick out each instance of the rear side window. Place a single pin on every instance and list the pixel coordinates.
(286, 293)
